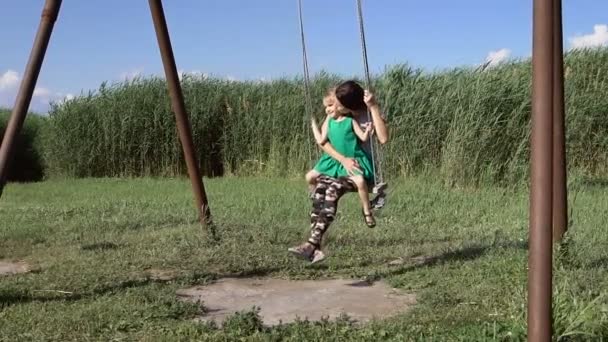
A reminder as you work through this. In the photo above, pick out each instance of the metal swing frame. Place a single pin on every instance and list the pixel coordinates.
(548, 192)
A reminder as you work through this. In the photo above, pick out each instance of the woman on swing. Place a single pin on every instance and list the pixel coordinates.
(349, 97)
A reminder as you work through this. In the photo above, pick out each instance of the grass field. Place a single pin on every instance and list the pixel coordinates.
(94, 239)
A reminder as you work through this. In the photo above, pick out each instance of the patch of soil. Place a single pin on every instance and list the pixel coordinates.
(8, 267)
(285, 300)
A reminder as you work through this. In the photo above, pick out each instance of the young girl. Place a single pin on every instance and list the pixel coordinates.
(328, 101)
(344, 133)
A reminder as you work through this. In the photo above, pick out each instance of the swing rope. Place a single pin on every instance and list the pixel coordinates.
(307, 94)
(375, 152)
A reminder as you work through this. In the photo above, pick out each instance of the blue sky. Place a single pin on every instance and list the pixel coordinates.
(109, 40)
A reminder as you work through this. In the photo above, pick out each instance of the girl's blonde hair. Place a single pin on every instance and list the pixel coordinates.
(331, 92)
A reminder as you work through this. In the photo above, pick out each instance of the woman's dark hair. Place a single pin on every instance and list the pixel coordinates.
(350, 95)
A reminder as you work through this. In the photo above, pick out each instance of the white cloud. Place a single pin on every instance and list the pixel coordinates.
(41, 97)
(9, 80)
(599, 37)
(196, 74)
(131, 74)
(264, 80)
(496, 57)
(41, 92)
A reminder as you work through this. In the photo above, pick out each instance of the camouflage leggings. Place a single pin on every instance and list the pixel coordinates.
(325, 205)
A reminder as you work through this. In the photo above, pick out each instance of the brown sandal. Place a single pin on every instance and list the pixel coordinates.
(369, 219)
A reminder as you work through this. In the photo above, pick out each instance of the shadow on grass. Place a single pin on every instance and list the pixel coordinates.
(101, 246)
(593, 182)
(9, 297)
(467, 253)
(13, 297)
(599, 263)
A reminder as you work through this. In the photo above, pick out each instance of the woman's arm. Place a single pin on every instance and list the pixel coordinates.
(377, 118)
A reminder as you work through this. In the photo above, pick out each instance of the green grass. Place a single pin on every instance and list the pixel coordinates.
(95, 237)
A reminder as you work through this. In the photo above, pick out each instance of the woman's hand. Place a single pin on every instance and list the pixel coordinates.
(369, 99)
(351, 166)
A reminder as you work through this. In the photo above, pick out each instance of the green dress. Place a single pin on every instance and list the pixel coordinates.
(343, 138)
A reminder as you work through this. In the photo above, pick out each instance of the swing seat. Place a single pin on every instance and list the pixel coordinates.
(379, 200)
(379, 188)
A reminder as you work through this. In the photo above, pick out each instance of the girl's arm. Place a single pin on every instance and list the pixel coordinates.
(320, 135)
(362, 135)
(324, 130)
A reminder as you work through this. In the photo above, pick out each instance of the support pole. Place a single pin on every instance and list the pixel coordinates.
(177, 103)
(560, 174)
(50, 12)
(540, 239)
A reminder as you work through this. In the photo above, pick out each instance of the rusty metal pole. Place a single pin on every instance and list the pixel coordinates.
(560, 190)
(541, 188)
(177, 102)
(26, 90)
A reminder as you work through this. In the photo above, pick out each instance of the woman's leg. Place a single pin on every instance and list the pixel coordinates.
(325, 204)
(311, 250)
(335, 188)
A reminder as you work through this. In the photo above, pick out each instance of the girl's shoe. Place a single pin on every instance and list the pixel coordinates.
(369, 219)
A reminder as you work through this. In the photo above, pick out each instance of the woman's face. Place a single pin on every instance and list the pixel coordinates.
(339, 108)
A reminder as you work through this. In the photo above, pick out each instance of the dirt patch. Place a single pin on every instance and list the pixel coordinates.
(285, 301)
(8, 267)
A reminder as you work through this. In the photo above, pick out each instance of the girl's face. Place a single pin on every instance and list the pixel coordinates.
(330, 105)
